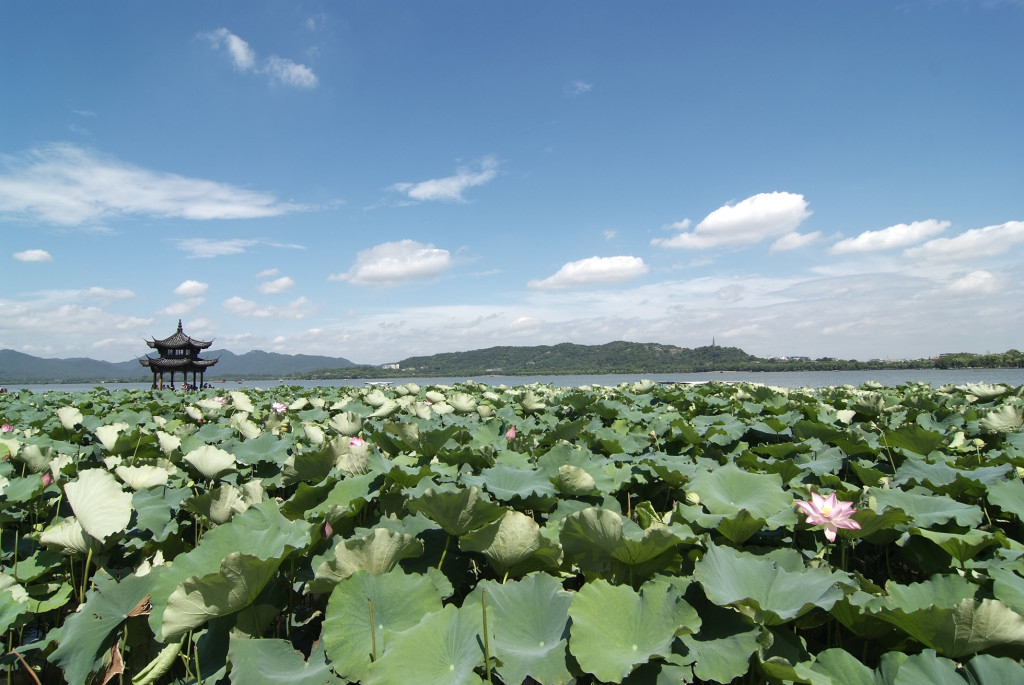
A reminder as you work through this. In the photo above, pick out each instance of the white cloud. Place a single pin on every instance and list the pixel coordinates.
(267, 273)
(390, 263)
(900, 235)
(199, 248)
(244, 59)
(192, 289)
(450, 188)
(576, 88)
(976, 282)
(68, 185)
(33, 256)
(978, 242)
(98, 293)
(593, 271)
(179, 309)
(278, 285)
(610, 233)
(759, 217)
(299, 308)
(795, 241)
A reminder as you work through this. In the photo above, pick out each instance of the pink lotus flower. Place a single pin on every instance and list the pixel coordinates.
(356, 442)
(511, 435)
(47, 479)
(220, 400)
(6, 428)
(829, 512)
(279, 407)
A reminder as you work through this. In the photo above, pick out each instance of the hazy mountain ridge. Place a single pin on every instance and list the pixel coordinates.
(18, 367)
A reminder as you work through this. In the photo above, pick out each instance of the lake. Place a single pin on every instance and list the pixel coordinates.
(784, 379)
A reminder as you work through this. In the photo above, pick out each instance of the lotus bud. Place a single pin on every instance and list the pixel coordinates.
(692, 498)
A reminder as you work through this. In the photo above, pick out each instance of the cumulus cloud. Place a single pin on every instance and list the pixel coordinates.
(795, 241)
(900, 235)
(298, 308)
(593, 271)
(976, 282)
(390, 263)
(202, 248)
(69, 185)
(267, 273)
(977, 242)
(450, 188)
(33, 256)
(108, 294)
(757, 218)
(278, 285)
(181, 308)
(244, 59)
(192, 289)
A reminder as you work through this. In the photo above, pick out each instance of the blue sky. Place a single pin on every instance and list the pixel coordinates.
(376, 180)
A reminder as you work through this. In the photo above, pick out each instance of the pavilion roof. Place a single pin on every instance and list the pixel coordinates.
(179, 341)
(177, 363)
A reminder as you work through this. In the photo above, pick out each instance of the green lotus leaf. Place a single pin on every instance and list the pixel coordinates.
(116, 440)
(314, 433)
(268, 661)
(1007, 418)
(376, 398)
(398, 602)
(615, 628)
(842, 668)
(211, 461)
(68, 537)
(984, 392)
(512, 542)
(763, 589)
(506, 482)
(156, 509)
(233, 587)
(485, 411)
(354, 459)
(528, 621)
(13, 601)
(1008, 495)
(267, 536)
(219, 504)
(245, 426)
(241, 402)
(69, 417)
(927, 510)
(141, 477)
(36, 457)
(386, 409)
(914, 439)
(378, 552)
(266, 449)
(729, 489)
(168, 443)
(574, 481)
(347, 423)
(444, 648)
(456, 512)
(86, 635)
(960, 546)
(722, 647)
(985, 668)
(463, 403)
(1008, 588)
(99, 503)
(926, 667)
(434, 396)
(604, 541)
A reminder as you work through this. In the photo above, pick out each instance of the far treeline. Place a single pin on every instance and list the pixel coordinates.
(627, 357)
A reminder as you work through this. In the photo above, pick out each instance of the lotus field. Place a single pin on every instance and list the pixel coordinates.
(720, 533)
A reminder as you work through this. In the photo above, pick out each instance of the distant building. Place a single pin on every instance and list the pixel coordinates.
(394, 365)
(178, 352)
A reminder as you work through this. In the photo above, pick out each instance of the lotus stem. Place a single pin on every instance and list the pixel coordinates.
(487, 640)
(445, 552)
(27, 668)
(85, 573)
(373, 632)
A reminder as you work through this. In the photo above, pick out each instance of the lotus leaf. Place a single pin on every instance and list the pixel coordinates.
(721, 649)
(926, 510)
(512, 543)
(1004, 419)
(984, 669)
(1008, 495)
(615, 628)
(398, 602)
(99, 503)
(456, 512)
(13, 601)
(375, 553)
(210, 461)
(141, 477)
(241, 402)
(68, 537)
(86, 635)
(70, 417)
(763, 588)
(263, 662)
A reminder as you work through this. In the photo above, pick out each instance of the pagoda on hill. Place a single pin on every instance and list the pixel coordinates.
(179, 352)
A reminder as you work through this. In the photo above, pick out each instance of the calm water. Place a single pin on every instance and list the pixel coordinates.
(793, 379)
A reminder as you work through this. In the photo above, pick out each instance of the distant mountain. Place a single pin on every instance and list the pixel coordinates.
(17, 367)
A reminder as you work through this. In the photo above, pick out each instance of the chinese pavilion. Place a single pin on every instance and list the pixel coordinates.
(178, 353)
